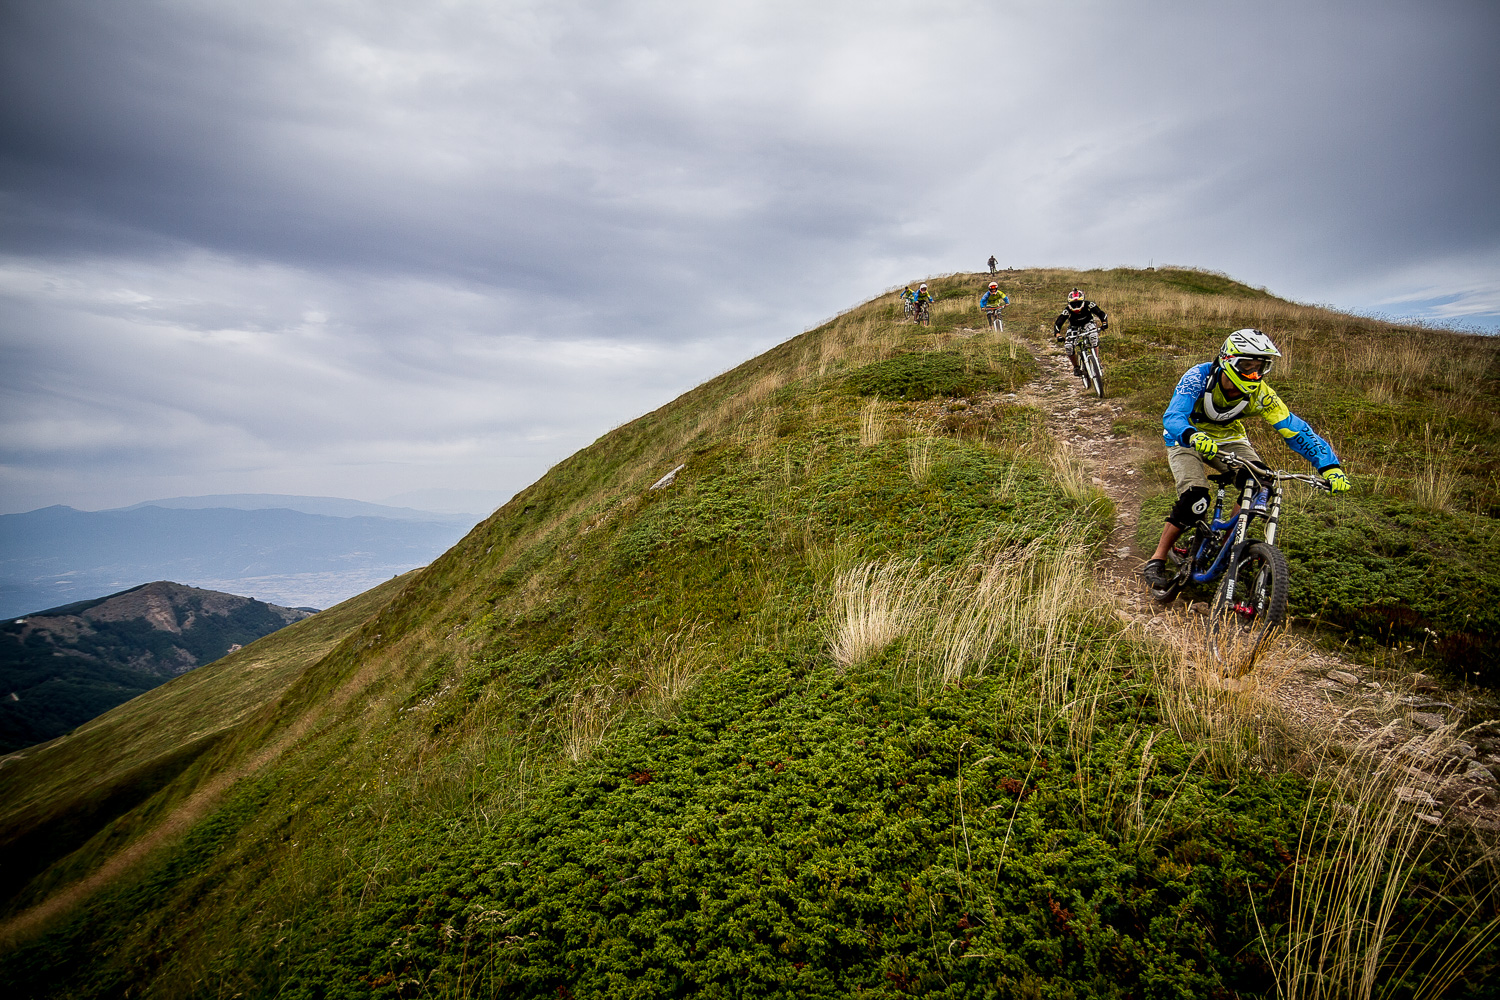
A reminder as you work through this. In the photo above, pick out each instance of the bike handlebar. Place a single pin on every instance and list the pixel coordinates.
(1317, 482)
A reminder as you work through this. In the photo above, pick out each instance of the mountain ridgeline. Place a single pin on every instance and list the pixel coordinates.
(308, 551)
(62, 667)
(840, 709)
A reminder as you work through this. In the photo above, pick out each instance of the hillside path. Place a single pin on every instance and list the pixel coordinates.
(1325, 696)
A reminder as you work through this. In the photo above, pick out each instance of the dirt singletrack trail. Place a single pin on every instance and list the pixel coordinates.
(1325, 695)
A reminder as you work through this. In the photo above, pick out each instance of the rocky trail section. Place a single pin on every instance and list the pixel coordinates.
(1444, 744)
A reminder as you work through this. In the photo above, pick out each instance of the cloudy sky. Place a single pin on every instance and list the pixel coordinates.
(360, 248)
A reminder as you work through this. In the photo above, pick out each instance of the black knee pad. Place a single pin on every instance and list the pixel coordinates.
(1190, 507)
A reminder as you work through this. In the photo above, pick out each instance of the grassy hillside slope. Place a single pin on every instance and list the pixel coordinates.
(838, 710)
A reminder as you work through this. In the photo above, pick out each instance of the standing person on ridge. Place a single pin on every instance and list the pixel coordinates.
(1203, 420)
(1077, 315)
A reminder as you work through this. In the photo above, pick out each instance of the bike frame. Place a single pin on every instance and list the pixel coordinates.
(1087, 335)
(1229, 552)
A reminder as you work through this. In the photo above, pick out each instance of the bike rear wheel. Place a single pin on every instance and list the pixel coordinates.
(1246, 610)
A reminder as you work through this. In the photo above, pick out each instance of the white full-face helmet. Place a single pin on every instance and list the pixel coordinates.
(1246, 357)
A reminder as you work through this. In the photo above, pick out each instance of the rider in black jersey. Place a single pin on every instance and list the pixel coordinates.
(1077, 315)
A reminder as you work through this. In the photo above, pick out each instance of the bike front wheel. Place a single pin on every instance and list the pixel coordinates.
(1250, 604)
(1094, 371)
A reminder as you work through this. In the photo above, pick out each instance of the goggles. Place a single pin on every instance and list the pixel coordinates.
(1251, 367)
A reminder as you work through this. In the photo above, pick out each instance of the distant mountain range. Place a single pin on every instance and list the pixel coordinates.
(289, 550)
(62, 667)
(328, 506)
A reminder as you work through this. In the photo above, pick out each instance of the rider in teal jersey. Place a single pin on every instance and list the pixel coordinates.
(1203, 420)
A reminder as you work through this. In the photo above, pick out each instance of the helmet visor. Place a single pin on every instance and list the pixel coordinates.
(1250, 367)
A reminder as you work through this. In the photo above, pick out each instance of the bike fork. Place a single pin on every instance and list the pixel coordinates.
(1236, 546)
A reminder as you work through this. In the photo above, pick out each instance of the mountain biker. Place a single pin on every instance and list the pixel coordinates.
(993, 300)
(923, 296)
(907, 295)
(1079, 313)
(993, 264)
(1203, 421)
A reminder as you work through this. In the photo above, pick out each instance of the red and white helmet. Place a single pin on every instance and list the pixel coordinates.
(1075, 300)
(994, 286)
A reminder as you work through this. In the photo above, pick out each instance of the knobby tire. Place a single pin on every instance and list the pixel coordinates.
(1092, 371)
(1243, 617)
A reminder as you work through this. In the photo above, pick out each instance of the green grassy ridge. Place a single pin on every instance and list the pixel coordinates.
(446, 716)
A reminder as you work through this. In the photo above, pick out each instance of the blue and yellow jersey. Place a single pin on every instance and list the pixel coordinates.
(1200, 404)
(995, 299)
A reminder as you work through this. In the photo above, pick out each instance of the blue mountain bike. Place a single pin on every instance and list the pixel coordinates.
(1253, 580)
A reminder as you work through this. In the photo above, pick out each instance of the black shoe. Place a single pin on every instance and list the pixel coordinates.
(1077, 372)
(1155, 574)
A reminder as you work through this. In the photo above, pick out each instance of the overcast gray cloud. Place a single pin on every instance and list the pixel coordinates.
(363, 248)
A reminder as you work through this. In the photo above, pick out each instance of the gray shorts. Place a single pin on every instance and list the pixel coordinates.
(1187, 467)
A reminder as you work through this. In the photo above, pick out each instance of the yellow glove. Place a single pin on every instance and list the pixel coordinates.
(1207, 449)
(1337, 481)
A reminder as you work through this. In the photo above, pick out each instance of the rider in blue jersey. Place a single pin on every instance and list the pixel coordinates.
(1203, 420)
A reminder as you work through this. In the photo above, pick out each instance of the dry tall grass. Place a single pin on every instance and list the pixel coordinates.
(874, 605)
(1434, 486)
(871, 423)
(1235, 722)
(920, 450)
(1034, 609)
(1365, 830)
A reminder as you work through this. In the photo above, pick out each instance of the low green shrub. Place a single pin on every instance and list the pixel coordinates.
(796, 832)
(923, 376)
